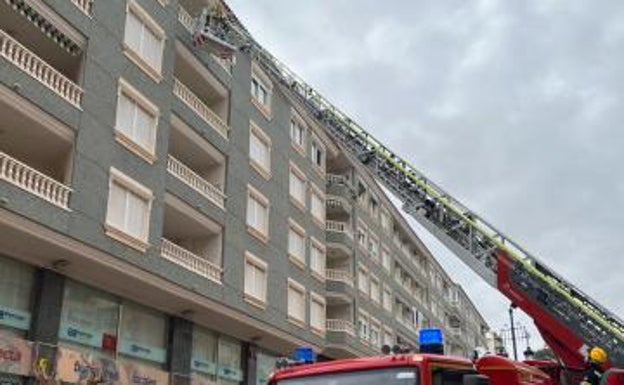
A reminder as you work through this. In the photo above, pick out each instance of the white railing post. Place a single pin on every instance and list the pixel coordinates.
(196, 182)
(200, 108)
(190, 261)
(27, 61)
(33, 181)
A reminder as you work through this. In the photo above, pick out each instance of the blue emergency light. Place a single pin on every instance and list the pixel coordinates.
(431, 341)
(304, 355)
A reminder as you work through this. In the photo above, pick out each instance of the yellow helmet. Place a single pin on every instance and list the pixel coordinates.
(598, 355)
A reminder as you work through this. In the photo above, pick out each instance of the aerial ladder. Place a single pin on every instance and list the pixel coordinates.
(569, 320)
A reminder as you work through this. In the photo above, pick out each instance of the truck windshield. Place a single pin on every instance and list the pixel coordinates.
(394, 376)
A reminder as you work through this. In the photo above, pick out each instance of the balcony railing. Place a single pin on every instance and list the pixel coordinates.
(190, 261)
(339, 276)
(337, 179)
(33, 181)
(339, 227)
(185, 19)
(27, 61)
(196, 182)
(340, 325)
(84, 5)
(201, 109)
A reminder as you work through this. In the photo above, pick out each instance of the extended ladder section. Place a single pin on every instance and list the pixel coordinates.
(475, 241)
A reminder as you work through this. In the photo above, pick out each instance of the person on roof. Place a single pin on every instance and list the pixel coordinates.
(596, 358)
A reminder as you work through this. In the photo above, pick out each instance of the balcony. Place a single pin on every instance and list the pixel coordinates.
(191, 240)
(196, 182)
(343, 276)
(340, 326)
(200, 90)
(338, 208)
(340, 186)
(36, 151)
(86, 6)
(33, 181)
(188, 22)
(43, 45)
(190, 261)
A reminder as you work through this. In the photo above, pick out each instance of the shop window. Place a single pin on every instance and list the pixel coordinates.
(89, 317)
(204, 360)
(16, 284)
(143, 334)
(229, 364)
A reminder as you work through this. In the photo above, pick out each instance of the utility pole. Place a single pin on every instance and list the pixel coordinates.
(513, 331)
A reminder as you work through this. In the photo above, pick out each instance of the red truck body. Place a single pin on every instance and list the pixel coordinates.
(501, 371)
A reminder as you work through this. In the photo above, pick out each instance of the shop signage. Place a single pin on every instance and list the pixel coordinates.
(14, 318)
(82, 368)
(145, 352)
(203, 366)
(15, 354)
(131, 373)
(228, 373)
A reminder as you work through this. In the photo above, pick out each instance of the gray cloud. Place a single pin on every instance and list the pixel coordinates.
(515, 107)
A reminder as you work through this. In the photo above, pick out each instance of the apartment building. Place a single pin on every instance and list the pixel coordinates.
(169, 216)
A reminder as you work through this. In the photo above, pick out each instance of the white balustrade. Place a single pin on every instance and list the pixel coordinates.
(340, 325)
(339, 276)
(186, 19)
(33, 181)
(27, 61)
(190, 261)
(338, 179)
(196, 182)
(84, 5)
(200, 108)
(339, 227)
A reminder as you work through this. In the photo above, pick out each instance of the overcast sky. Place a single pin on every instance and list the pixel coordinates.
(515, 107)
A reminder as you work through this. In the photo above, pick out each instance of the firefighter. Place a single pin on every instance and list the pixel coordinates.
(596, 357)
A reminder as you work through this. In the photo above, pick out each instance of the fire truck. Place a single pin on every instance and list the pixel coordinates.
(569, 320)
(425, 369)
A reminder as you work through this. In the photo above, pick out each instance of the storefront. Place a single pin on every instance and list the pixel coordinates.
(16, 287)
(215, 359)
(108, 340)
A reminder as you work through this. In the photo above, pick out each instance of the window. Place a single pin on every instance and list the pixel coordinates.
(374, 288)
(296, 302)
(261, 89)
(255, 279)
(317, 313)
(449, 376)
(363, 285)
(257, 213)
(388, 337)
(387, 299)
(129, 204)
(386, 260)
(296, 243)
(297, 132)
(317, 205)
(260, 151)
(143, 334)
(204, 359)
(229, 365)
(373, 205)
(364, 326)
(386, 221)
(16, 285)
(144, 40)
(362, 235)
(297, 186)
(317, 258)
(318, 154)
(136, 121)
(89, 317)
(373, 247)
(375, 332)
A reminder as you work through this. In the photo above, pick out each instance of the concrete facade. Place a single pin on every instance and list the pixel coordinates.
(69, 240)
